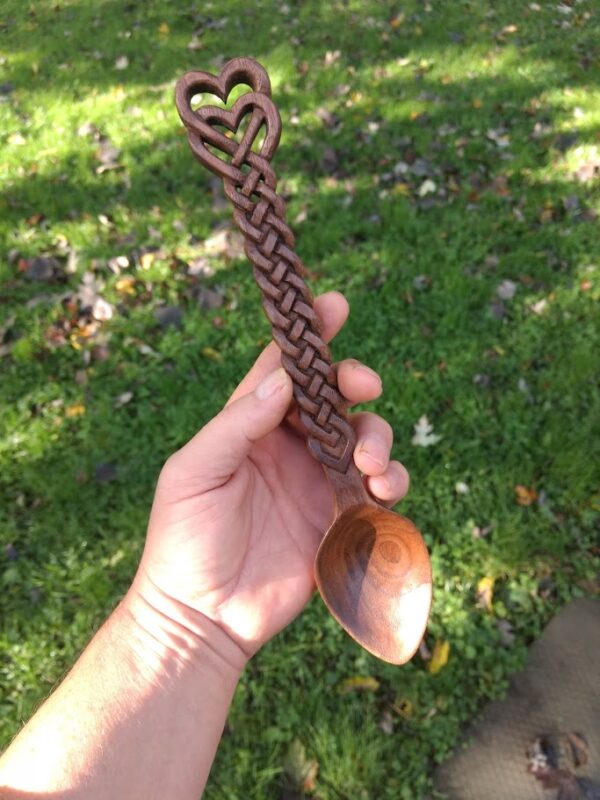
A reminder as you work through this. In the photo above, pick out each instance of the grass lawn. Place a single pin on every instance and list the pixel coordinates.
(441, 163)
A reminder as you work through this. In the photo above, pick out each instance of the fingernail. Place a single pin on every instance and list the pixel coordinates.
(375, 448)
(368, 371)
(271, 384)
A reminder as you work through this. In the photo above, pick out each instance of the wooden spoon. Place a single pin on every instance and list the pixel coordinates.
(373, 572)
(372, 567)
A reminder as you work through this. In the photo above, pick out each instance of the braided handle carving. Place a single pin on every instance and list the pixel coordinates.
(259, 213)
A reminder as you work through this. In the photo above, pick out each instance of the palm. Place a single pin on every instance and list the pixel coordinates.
(251, 543)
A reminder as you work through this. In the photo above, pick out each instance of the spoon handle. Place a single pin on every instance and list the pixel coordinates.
(259, 213)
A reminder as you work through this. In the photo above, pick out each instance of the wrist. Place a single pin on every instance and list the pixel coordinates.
(168, 637)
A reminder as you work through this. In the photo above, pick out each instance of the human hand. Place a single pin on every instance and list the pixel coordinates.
(240, 510)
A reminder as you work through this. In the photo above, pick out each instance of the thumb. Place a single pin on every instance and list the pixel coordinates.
(222, 445)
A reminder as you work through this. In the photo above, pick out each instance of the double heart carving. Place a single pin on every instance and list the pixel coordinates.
(259, 212)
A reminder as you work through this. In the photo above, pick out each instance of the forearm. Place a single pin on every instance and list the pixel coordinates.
(139, 716)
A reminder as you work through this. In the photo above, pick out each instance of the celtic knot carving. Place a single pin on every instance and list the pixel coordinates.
(259, 212)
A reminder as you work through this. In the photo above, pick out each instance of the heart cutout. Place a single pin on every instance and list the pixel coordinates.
(203, 123)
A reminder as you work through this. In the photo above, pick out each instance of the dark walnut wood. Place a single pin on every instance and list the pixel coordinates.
(372, 568)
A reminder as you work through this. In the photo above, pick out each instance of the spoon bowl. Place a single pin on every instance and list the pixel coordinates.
(373, 573)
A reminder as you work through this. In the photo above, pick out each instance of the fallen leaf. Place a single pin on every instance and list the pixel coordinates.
(102, 310)
(147, 259)
(125, 285)
(427, 187)
(99, 353)
(507, 637)
(211, 353)
(226, 243)
(208, 299)
(506, 290)
(499, 137)
(539, 307)
(525, 496)
(422, 282)
(588, 171)
(301, 770)
(117, 263)
(41, 268)
(439, 657)
(11, 552)
(195, 43)
(76, 410)
(479, 532)
(200, 268)
(123, 399)
(105, 472)
(404, 708)
(386, 723)
(122, 62)
(169, 316)
(485, 592)
(497, 309)
(423, 436)
(163, 29)
(108, 156)
(359, 683)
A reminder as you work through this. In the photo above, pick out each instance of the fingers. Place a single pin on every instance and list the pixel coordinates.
(391, 486)
(374, 437)
(386, 480)
(332, 309)
(357, 382)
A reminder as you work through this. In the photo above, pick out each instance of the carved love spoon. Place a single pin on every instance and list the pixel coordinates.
(372, 567)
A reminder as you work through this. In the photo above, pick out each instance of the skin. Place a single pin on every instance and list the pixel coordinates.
(236, 521)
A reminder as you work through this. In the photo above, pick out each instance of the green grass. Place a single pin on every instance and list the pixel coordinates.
(503, 118)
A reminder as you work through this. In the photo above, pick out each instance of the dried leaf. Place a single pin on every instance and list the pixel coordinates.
(404, 708)
(507, 637)
(427, 187)
(386, 723)
(194, 43)
(211, 353)
(125, 285)
(359, 683)
(485, 592)
(301, 771)
(423, 436)
(478, 532)
(123, 399)
(40, 268)
(102, 310)
(506, 290)
(168, 316)
(105, 472)
(117, 263)
(439, 657)
(208, 299)
(525, 496)
(225, 242)
(147, 259)
(76, 410)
